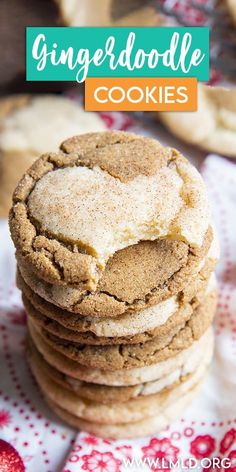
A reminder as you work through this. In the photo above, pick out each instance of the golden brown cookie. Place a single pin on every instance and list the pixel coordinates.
(130, 411)
(135, 278)
(166, 317)
(127, 324)
(31, 125)
(122, 377)
(142, 428)
(126, 356)
(103, 192)
(108, 394)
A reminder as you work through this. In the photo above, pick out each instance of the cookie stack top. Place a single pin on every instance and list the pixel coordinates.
(104, 192)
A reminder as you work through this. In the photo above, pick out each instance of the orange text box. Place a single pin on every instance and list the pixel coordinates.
(140, 94)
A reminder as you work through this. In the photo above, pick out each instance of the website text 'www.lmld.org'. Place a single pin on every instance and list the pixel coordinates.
(177, 465)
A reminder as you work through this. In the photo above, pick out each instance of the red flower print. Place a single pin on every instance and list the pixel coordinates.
(202, 446)
(90, 440)
(5, 418)
(160, 450)
(228, 440)
(232, 458)
(101, 462)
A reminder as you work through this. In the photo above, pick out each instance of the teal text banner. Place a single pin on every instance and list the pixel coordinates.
(74, 53)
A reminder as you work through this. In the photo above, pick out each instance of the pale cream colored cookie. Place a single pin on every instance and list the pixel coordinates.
(213, 126)
(145, 427)
(103, 192)
(130, 411)
(122, 377)
(126, 356)
(108, 394)
(30, 126)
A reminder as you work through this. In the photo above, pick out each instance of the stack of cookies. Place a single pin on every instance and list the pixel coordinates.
(116, 252)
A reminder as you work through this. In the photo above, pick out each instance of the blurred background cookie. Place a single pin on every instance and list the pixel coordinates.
(213, 126)
(108, 13)
(232, 8)
(29, 125)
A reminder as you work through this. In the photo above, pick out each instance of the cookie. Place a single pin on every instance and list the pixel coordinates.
(134, 279)
(142, 428)
(126, 356)
(166, 317)
(232, 9)
(11, 103)
(73, 210)
(213, 126)
(126, 324)
(118, 378)
(130, 411)
(108, 13)
(54, 117)
(108, 394)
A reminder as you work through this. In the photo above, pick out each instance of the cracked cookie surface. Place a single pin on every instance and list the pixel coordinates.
(135, 278)
(103, 192)
(126, 356)
(115, 378)
(134, 409)
(133, 328)
(192, 357)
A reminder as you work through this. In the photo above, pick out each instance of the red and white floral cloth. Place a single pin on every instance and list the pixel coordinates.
(207, 428)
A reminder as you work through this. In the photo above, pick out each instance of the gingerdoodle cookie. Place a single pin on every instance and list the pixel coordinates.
(135, 278)
(30, 126)
(213, 126)
(166, 317)
(142, 428)
(104, 192)
(108, 394)
(130, 326)
(122, 377)
(126, 325)
(130, 411)
(126, 356)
